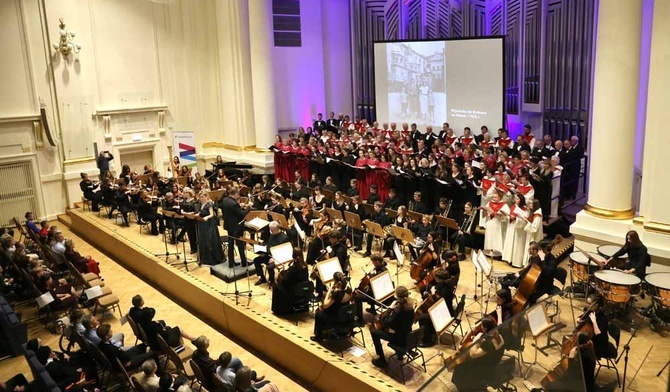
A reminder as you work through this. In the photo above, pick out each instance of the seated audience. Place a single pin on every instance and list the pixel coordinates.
(130, 359)
(144, 317)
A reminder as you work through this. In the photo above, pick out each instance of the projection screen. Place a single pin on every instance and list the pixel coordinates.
(432, 82)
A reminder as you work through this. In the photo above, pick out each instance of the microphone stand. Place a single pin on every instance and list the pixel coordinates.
(626, 349)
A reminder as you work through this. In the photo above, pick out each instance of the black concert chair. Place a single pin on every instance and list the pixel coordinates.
(302, 296)
(504, 374)
(346, 326)
(200, 377)
(561, 275)
(458, 317)
(610, 360)
(409, 352)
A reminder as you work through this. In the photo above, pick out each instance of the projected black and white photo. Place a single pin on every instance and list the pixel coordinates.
(459, 81)
(417, 81)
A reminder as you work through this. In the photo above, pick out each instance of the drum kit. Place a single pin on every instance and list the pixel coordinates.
(618, 288)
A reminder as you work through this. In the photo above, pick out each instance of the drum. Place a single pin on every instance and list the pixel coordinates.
(582, 267)
(658, 288)
(494, 254)
(607, 251)
(617, 287)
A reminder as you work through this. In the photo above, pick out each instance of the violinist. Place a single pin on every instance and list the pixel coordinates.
(441, 287)
(463, 237)
(274, 205)
(258, 199)
(282, 293)
(126, 174)
(338, 295)
(337, 248)
(303, 216)
(191, 204)
(594, 313)
(123, 203)
(396, 326)
(321, 226)
(638, 257)
(378, 216)
(479, 369)
(147, 211)
(88, 188)
(277, 237)
(364, 294)
(266, 183)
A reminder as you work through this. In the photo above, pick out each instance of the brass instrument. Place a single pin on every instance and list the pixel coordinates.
(467, 225)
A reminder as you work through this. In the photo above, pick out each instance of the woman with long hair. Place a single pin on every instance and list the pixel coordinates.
(638, 256)
(515, 238)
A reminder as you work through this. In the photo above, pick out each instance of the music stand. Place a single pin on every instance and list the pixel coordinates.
(414, 216)
(382, 286)
(441, 318)
(172, 215)
(353, 220)
(280, 219)
(477, 271)
(216, 196)
(196, 218)
(374, 229)
(334, 214)
(327, 269)
(539, 324)
(248, 291)
(447, 223)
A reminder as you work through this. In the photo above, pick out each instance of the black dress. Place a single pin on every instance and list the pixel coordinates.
(282, 294)
(209, 239)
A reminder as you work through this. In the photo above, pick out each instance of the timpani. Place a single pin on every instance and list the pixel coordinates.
(581, 267)
(617, 287)
(658, 288)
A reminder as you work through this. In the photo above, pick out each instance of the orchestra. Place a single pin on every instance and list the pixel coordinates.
(499, 184)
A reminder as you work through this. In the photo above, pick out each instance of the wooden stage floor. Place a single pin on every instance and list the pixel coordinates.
(358, 365)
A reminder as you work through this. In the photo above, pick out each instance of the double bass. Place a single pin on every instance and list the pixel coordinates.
(526, 288)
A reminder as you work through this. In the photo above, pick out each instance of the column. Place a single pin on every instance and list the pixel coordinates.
(614, 109)
(235, 73)
(261, 44)
(655, 187)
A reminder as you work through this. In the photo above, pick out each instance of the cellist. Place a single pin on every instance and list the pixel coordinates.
(442, 287)
(364, 294)
(546, 279)
(478, 370)
(429, 256)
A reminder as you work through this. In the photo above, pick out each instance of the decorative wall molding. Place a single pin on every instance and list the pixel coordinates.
(20, 119)
(38, 134)
(121, 111)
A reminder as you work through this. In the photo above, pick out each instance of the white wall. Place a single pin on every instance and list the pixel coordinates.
(315, 78)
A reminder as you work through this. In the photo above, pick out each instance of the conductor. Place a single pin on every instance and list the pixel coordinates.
(233, 215)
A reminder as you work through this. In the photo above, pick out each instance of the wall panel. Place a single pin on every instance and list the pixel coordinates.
(16, 94)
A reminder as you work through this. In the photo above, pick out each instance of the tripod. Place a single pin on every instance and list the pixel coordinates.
(172, 216)
(248, 292)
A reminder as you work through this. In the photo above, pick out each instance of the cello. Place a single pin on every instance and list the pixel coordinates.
(425, 259)
(526, 288)
(569, 342)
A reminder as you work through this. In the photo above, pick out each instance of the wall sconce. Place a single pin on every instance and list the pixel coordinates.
(66, 44)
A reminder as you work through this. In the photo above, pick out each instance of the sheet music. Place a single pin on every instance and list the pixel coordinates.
(475, 261)
(93, 292)
(44, 299)
(484, 263)
(282, 253)
(537, 320)
(257, 223)
(398, 254)
(301, 233)
(329, 249)
(382, 286)
(440, 316)
(327, 269)
(260, 248)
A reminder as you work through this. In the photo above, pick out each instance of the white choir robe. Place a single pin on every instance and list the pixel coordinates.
(534, 231)
(486, 197)
(515, 239)
(494, 238)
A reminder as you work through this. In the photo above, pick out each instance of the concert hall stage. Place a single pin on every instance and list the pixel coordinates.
(284, 342)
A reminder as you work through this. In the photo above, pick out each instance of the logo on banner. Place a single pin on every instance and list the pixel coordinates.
(185, 143)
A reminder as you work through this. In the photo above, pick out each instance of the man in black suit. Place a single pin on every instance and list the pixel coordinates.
(144, 317)
(332, 122)
(319, 124)
(429, 137)
(277, 237)
(233, 215)
(415, 136)
(378, 216)
(130, 359)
